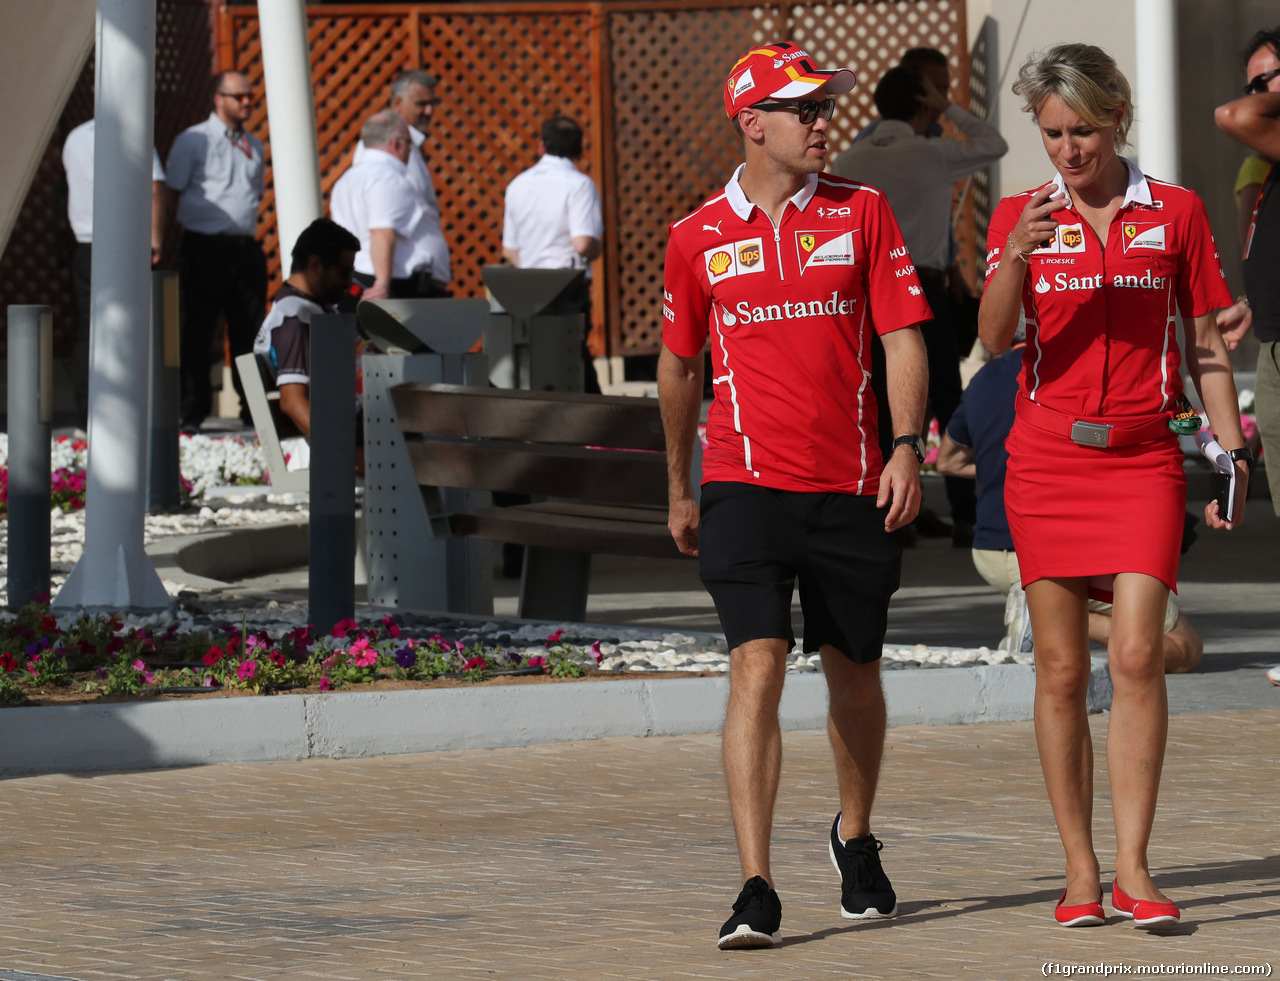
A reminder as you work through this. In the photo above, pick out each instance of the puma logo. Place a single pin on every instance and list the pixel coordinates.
(713, 228)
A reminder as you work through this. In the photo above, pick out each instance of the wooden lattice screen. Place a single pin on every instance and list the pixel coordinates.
(36, 266)
(642, 78)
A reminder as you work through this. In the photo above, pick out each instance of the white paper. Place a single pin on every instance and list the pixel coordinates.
(1223, 464)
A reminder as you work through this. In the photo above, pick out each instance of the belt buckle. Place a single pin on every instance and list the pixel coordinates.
(1090, 433)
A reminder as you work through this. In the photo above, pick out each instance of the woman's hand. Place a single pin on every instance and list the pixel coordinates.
(1216, 521)
(1035, 228)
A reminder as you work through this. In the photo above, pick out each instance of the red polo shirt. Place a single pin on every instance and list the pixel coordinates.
(1102, 318)
(790, 312)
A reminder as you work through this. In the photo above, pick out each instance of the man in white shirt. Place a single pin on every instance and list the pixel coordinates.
(413, 100)
(552, 220)
(916, 174)
(215, 175)
(375, 201)
(77, 160)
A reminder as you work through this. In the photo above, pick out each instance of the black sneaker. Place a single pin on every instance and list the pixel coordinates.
(757, 917)
(865, 891)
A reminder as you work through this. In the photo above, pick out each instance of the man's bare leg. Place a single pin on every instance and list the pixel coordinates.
(753, 748)
(855, 726)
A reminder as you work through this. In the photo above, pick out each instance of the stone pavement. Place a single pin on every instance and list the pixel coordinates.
(614, 860)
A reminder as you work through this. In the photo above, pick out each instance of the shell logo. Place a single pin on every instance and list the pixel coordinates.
(719, 262)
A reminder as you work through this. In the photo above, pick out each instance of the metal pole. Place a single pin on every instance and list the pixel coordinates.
(163, 492)
(30, 414)
(331, 580)
(114, 572)
(286, 66)
(1156, 97)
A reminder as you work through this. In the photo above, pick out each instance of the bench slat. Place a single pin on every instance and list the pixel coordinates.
(537, 417)
(645, 534)
(608, 476)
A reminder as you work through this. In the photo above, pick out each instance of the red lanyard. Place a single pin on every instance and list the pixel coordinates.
(1253, 221)
(241, 140)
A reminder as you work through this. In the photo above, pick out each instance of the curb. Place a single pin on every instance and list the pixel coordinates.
(349, 725)
(210, 560)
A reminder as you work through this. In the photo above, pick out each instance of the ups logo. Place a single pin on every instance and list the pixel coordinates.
(748, 255)
(1072, 238)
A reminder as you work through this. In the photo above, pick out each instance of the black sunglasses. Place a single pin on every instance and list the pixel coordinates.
(807, 111)
(1259, 82)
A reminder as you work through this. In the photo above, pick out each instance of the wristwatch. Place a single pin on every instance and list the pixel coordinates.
(913, 442)
(1244, 453)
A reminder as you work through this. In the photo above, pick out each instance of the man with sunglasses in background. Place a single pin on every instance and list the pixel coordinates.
(1255, 121)
(215, 174)
(917, 175)
(790, 271)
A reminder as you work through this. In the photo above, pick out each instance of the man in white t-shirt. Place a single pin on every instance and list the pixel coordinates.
(77, 160)
(413, 100)
(552, 220)
(375, 201)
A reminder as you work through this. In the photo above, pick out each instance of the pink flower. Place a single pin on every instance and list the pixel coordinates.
(253, 643)
(213, 657)
(362, 655)
(247, 669)
(343, 627)
(325, 684)
(475, 662)
(595, 652)
(140, 666)
(392, 629)
(332, 659)
(276, 658)
(537, 661)
(554, 638)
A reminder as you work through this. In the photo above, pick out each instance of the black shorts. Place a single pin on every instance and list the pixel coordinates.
(753, 544)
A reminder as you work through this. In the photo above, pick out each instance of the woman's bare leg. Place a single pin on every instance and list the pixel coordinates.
(1060, 625)
(1139, 723)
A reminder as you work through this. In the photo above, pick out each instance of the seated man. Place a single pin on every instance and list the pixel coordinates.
(320, 274)
(973, 447)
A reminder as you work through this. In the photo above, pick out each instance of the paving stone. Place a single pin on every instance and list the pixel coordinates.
(612, 859)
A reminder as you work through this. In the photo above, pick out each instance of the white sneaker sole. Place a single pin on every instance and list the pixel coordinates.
(744, 938)
(871, 913)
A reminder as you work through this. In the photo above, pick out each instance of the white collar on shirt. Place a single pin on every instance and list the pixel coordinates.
(383, 158)
(742, 207)
(1138, 191)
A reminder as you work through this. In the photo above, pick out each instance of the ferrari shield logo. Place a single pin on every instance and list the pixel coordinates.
(807, 242)
(1130, 231)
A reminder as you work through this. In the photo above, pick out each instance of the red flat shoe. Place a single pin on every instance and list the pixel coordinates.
(1143, 912)
(1086, 914)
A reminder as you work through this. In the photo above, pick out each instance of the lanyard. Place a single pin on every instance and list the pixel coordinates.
(241, 140)
(1253, 221)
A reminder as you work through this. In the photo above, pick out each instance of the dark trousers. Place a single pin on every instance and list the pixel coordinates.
(219, 275)
(944, 385)
(944, 388)
(81, 276)
(577, 299)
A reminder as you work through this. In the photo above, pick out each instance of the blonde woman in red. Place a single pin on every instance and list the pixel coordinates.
(1104, 262)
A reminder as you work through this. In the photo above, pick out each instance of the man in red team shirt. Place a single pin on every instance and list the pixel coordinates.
(789, 271)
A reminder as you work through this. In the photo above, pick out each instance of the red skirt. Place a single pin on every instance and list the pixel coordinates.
(1085, 511)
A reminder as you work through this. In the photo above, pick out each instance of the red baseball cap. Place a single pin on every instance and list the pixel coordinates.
(782, 70)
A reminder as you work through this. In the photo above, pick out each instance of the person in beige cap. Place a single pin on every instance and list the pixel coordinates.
(790, 272)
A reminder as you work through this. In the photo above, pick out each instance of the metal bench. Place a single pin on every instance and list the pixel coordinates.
(596, 466)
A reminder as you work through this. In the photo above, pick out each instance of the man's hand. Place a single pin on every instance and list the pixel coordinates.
(682, 520)
(900, 483)
(933, 99)
(380, 290)
(1234, 322)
